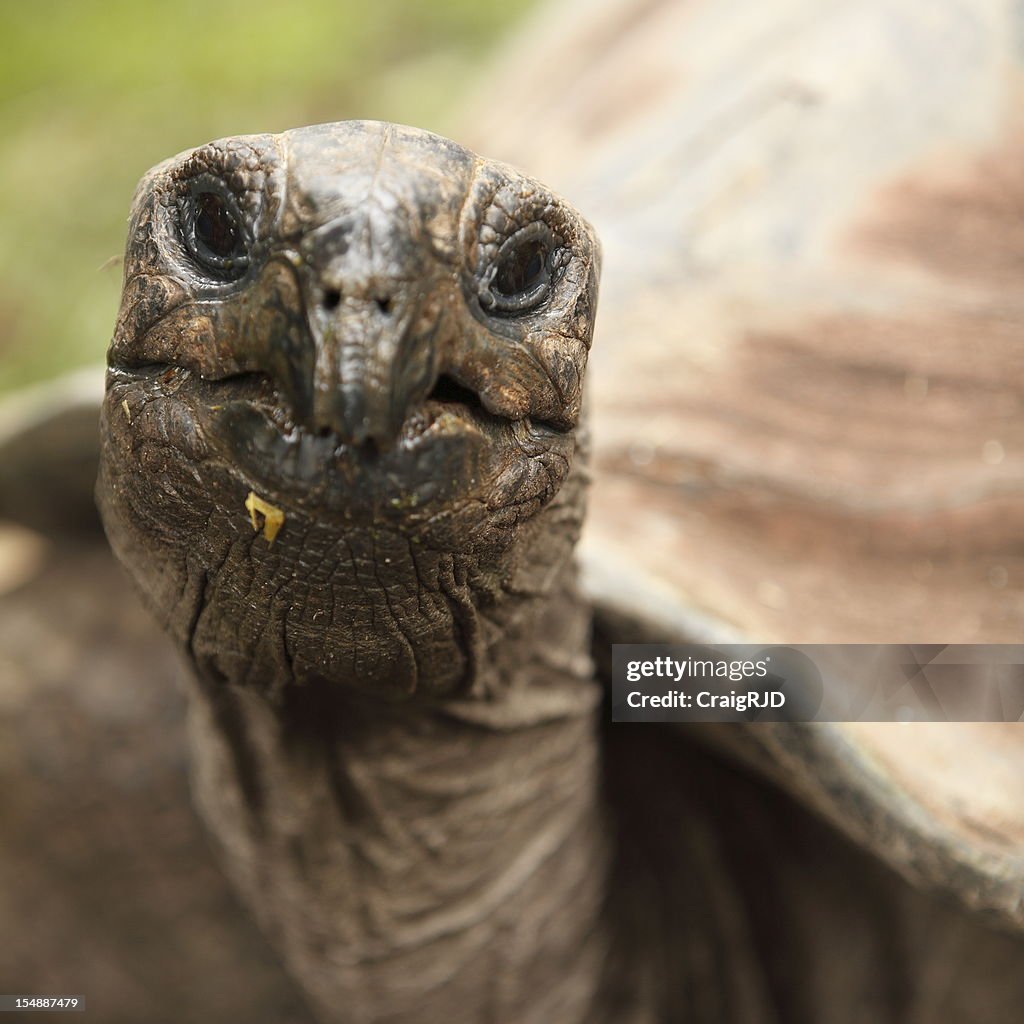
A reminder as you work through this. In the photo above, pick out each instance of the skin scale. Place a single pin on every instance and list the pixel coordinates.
(395, 723)
(393, 709)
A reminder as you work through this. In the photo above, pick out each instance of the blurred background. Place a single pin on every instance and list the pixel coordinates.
(94, 93)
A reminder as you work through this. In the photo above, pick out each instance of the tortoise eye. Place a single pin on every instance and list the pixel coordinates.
(214, 233)
(521, 276)
(215, 226)
(522, 270)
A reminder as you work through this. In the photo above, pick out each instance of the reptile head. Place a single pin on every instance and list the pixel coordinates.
(343, 402)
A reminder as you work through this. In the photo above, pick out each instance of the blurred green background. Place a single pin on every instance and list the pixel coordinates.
(93, 93)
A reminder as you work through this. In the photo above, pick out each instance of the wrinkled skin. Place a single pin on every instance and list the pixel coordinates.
(355, 372)
(384, 337)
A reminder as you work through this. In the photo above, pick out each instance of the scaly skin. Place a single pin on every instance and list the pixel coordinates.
(421, 864)
(394, 715)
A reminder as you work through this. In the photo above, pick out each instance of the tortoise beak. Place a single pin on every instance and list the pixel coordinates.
(372, 326)
(374, 362)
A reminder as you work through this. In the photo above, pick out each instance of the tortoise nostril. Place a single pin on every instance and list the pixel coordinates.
(331, 300)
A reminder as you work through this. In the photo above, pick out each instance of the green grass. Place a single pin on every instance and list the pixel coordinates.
(93, 92)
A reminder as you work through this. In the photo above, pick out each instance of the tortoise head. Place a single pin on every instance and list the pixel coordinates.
(343, 404)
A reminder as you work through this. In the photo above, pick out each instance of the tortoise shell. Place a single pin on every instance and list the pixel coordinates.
(807, 378)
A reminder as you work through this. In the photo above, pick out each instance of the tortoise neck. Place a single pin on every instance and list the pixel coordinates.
(424, 861)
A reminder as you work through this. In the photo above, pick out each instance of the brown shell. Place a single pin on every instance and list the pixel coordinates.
(807, 379)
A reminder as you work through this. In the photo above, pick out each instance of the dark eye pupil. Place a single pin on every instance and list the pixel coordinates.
(215, 226)
(522, 270)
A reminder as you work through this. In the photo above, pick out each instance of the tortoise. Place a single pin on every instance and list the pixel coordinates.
(344, 459)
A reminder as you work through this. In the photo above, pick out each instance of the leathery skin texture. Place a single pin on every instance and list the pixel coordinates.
(382, 338)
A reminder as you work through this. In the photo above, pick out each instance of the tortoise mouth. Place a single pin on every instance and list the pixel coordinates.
(447, 396)
(448, 391)
(450, 450)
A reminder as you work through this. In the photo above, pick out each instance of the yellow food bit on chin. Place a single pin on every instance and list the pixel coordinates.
(273, 517)
(127, 411)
